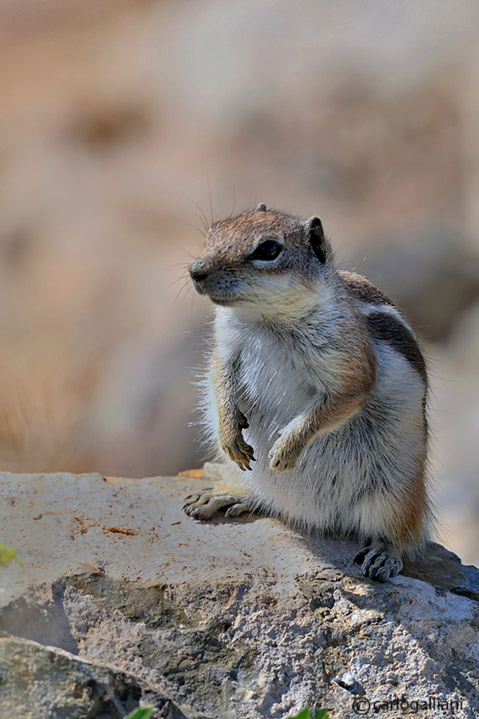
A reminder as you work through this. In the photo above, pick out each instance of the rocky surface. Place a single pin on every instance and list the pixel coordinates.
(122, 600)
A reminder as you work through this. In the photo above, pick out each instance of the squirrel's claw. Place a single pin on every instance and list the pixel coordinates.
(284, 454)
(240, 452)
(378, 563)
(207, 502)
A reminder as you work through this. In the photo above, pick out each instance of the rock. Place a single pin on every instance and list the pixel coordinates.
(40, 682)
(121, 599)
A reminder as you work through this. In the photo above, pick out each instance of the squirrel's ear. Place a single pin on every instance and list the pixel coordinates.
(261, 207)
(314, 233)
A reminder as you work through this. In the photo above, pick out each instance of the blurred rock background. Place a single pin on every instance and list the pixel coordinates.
(118, 118)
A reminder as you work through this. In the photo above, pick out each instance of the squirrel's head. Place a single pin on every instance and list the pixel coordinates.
(264, 262)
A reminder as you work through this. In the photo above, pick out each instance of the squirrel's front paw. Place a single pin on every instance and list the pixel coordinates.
(239, 451)
(285, 453)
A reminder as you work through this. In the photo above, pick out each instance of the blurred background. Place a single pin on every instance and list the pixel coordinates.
(124, 122)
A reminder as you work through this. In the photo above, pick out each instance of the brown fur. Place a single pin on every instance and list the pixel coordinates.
(356, 353)
(364, 290)
(407, 524)
(231, 420)
(228, 239)
(385, 327)
(326, 417)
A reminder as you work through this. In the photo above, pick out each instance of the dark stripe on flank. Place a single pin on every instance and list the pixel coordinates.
(388, 329)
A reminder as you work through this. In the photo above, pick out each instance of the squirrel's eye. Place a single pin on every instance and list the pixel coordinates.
(267, 250)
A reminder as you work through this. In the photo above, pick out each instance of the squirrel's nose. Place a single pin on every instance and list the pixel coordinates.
(198, 270)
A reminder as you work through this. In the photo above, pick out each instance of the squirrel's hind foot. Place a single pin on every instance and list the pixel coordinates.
(378, 563)
(206, 503)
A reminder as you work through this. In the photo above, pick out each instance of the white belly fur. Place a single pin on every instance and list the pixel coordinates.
(344, 480)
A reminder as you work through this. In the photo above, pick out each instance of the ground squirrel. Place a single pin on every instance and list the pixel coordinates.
(317, 385)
